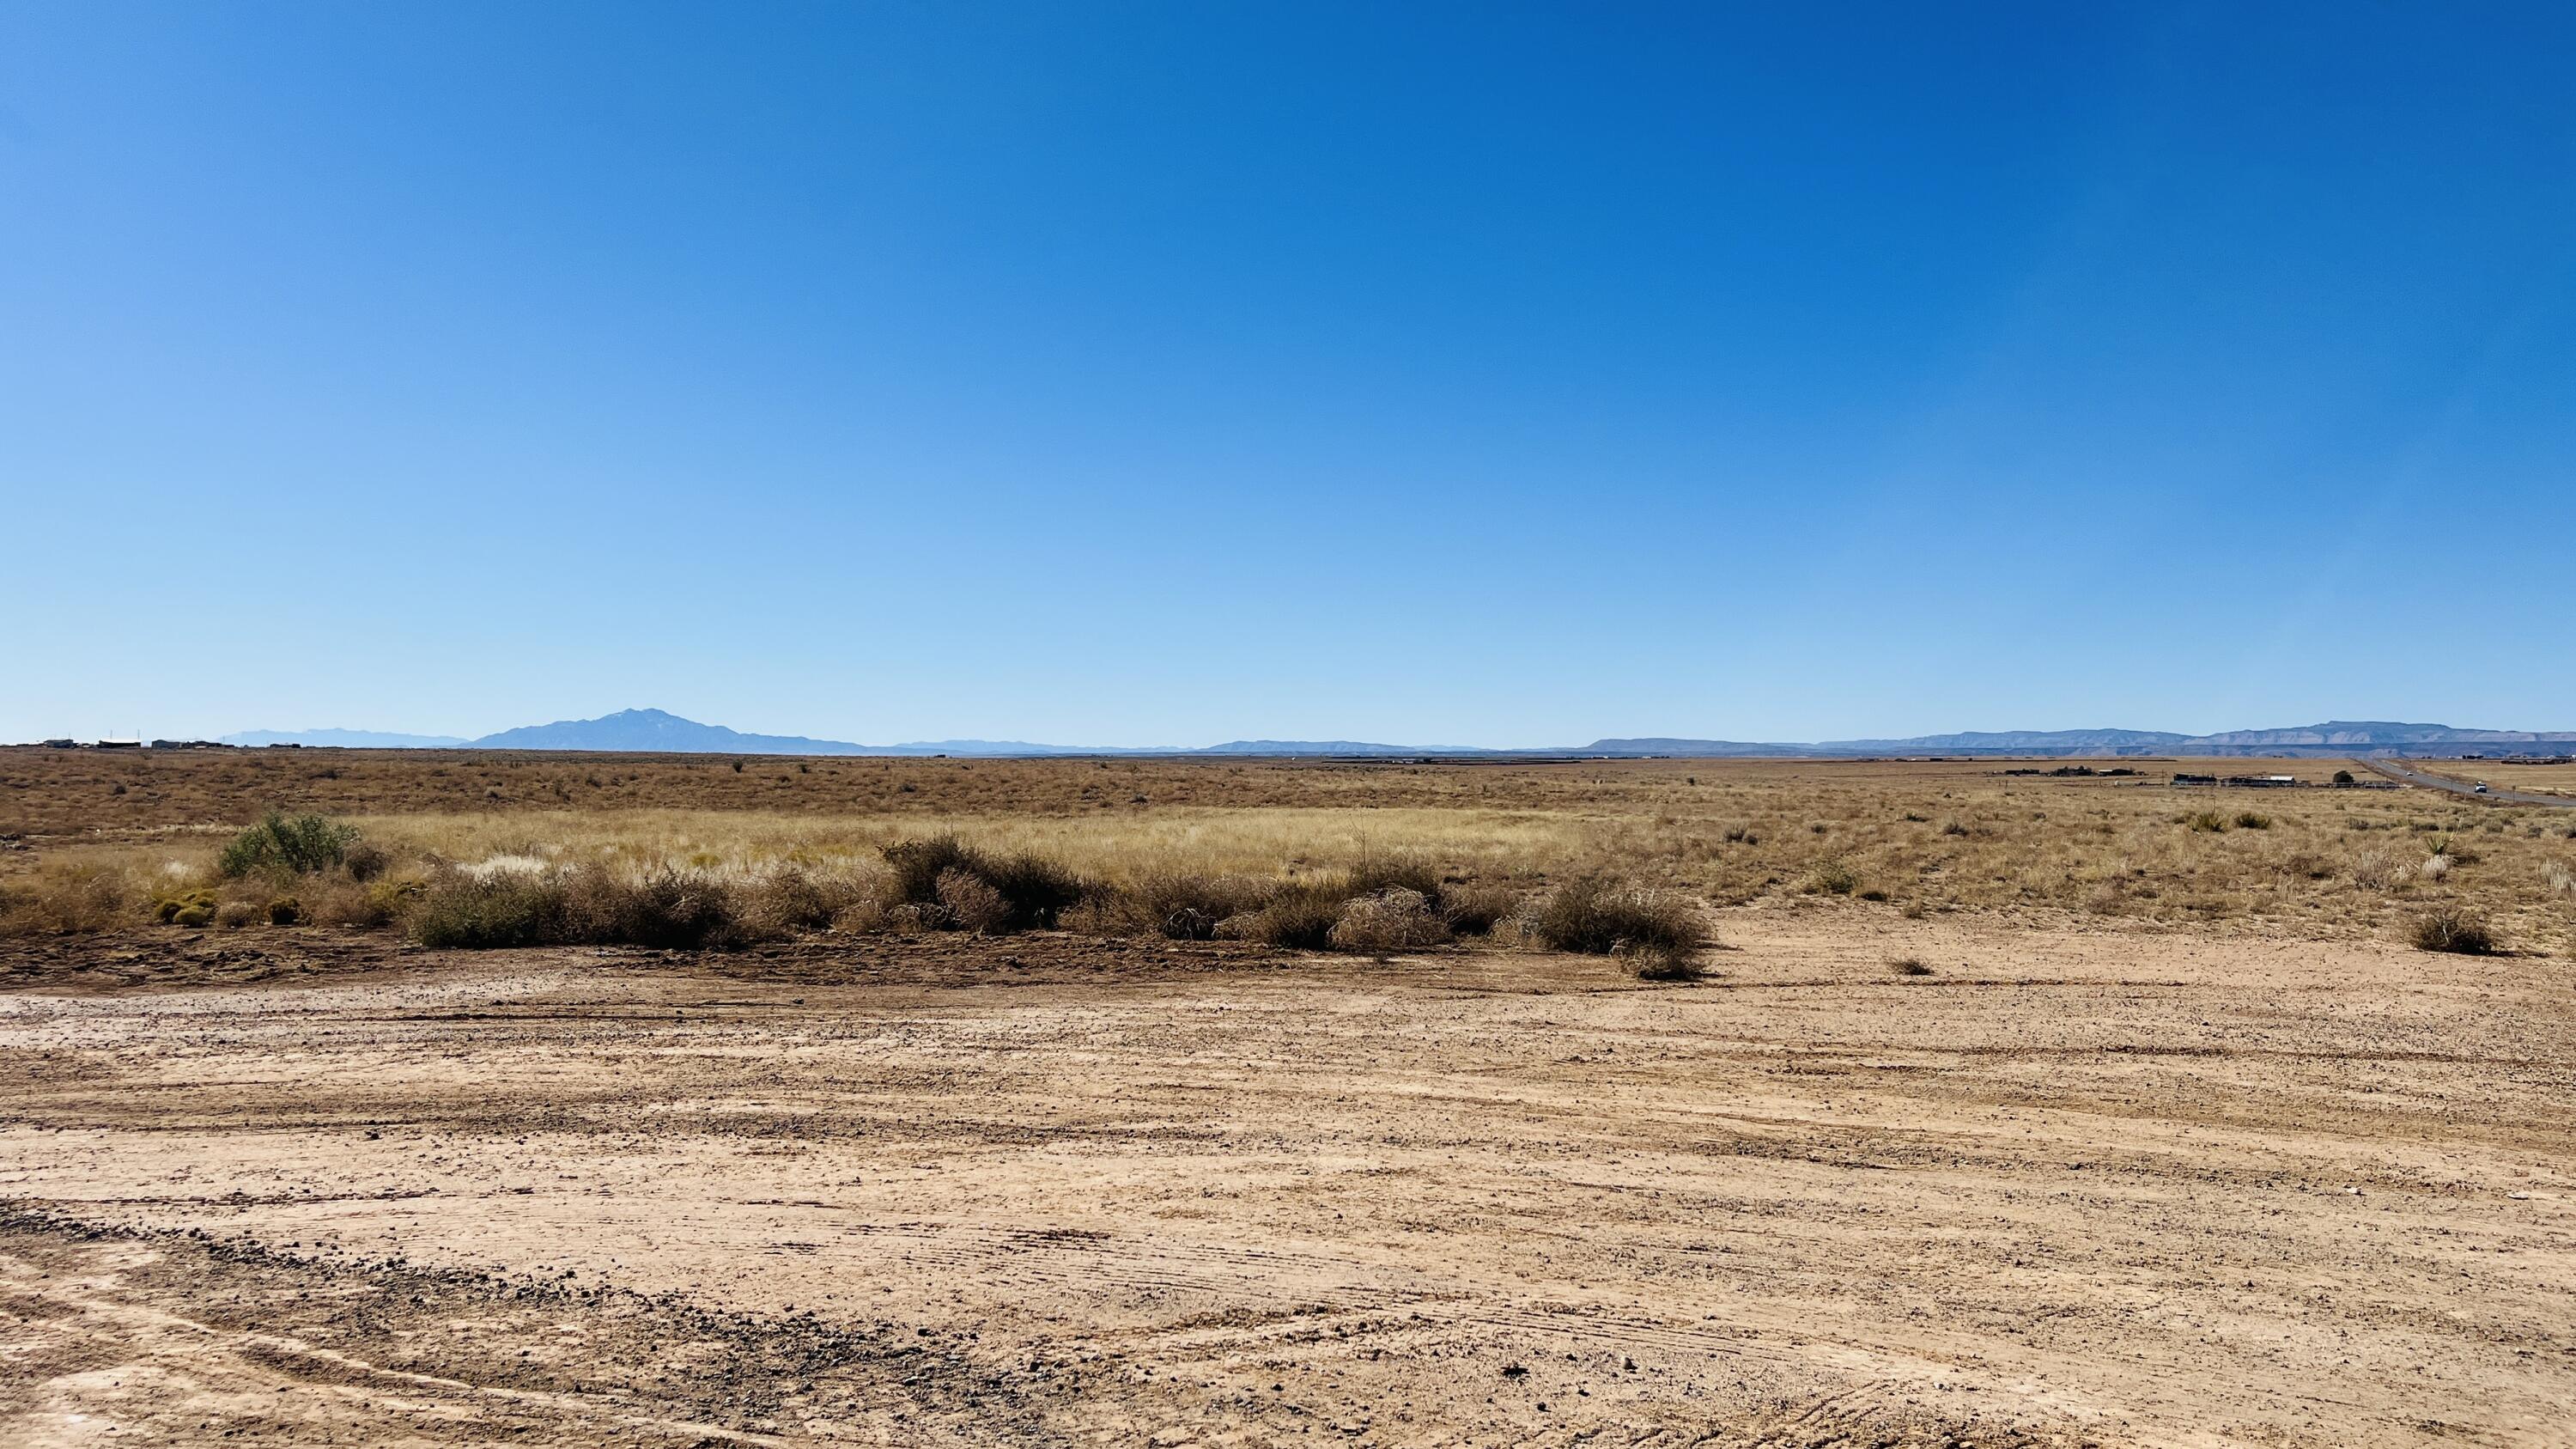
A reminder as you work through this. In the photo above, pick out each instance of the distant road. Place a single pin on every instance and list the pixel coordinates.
(2432, 781)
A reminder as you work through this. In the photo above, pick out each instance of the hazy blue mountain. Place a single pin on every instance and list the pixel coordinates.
(1021, 749)
(2048, 741)
(1696, 749)
(1333, 747)
(2370, 734)
(651, 731)
(344, 739)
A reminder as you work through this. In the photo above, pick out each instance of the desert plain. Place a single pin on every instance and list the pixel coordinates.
(1997, 1109)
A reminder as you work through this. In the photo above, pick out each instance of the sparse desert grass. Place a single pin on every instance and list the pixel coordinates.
(1220, 840)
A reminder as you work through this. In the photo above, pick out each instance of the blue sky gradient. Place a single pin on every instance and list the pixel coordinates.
(1492, 374)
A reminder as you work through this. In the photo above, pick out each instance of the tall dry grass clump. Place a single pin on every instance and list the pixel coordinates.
(63, 900)
(1661, 931)
(1297, 915)
(1394, 919)
(1186, 906)
(592, 905)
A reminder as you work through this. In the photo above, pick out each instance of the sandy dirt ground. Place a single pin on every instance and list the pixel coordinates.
(2073, 1187)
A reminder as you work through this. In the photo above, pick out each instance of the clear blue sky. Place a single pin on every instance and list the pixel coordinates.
(1114, 373)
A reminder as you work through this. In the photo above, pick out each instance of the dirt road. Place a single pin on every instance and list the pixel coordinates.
(2069, 1188)
(2408, 774)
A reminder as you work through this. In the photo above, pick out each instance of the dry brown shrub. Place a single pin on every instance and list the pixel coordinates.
(797, 898)
(1189, 907)
(1395, 919)
(62, 901)
(1659, 930)
(1474, 910)
(2377, 870)
(2455, 931)
(1409, 871)
(911, 917)
(972, 903)
(1299, 915)
(861, 917)
(1831, 876)
(374, 905)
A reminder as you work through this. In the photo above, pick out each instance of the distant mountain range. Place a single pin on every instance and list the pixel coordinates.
(347, 739)
(653, 731)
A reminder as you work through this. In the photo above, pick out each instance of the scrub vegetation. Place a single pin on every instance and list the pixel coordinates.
(1636, 858)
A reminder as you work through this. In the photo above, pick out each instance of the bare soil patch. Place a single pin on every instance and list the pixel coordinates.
(2075, 1186)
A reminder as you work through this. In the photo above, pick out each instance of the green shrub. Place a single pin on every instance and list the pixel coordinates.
(287, 844)
(1831, 876)
(382, 903)
(2208, 822)
(191, 906)
(2250, 820)
(2454, 931)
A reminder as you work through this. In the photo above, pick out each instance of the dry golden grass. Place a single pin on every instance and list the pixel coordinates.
(1906, 836)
